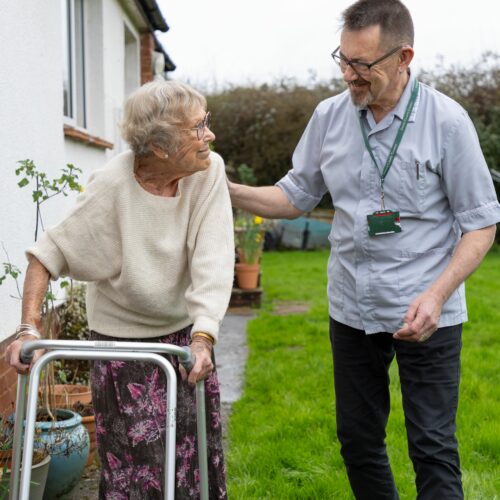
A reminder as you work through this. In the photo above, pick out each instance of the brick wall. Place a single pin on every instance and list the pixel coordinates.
(8, 381)
(147, 49)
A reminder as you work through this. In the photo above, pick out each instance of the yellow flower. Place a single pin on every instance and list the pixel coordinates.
(81, 189)
(258, 220)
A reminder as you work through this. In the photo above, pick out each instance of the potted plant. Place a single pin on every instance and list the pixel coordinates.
(249, 237)
(73, 390)
(59, 431)
(72, 376)
(39, 467)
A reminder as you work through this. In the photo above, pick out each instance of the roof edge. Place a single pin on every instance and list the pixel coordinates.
(153, 15)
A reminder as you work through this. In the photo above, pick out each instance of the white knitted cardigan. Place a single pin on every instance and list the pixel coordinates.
(154, 264)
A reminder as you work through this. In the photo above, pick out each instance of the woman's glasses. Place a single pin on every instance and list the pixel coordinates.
(202, 126)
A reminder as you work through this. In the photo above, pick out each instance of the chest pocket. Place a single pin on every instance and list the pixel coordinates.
(412, 188)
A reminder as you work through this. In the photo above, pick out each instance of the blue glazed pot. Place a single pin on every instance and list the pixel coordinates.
(67, 441)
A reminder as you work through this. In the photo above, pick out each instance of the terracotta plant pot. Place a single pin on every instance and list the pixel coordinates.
(247, 275)
(89, 423)
(66, 395)
(5, 458)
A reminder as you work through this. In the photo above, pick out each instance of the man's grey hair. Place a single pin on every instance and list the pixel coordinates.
(392, 16)
(154, 114)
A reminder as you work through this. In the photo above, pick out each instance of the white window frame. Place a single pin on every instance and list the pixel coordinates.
(132, 59)
(73, 28)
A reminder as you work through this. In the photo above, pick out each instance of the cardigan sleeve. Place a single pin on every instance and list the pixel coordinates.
(211, 254)
(85, 244)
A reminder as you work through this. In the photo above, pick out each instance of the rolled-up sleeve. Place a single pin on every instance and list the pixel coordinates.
(304, 184)
(466, 178)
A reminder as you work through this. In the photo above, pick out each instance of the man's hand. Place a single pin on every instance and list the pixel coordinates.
(203, 366)
(267, 201)
(13, 352)
(422, 318)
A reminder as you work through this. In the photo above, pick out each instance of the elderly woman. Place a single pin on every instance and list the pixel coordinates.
(153, 236)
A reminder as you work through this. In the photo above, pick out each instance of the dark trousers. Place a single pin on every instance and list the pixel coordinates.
(430, 375)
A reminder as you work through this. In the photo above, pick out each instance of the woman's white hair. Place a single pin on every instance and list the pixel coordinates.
(154, 112)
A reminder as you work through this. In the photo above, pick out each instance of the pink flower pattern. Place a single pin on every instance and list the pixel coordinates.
(130, 408)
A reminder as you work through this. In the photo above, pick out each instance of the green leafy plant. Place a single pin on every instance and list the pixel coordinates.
(9, 270)
(72, 317)
(43, 188)
(6, 433)
(246, 175)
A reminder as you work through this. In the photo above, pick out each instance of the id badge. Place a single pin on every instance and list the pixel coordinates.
(383, 222)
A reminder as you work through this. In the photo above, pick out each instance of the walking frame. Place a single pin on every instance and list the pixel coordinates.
(26, 403)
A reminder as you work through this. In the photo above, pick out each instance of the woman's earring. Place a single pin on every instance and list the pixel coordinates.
(166, 156)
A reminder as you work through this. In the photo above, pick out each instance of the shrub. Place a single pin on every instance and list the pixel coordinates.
(260, 126)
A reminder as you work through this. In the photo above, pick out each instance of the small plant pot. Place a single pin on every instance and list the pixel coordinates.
(247, 275)
(39, 472)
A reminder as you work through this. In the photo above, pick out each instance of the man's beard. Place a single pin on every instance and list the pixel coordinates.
(361, 99)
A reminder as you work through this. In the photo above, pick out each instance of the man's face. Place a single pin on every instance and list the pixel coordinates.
(375, 86)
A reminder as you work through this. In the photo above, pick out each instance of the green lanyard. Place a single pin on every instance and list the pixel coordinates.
(397, 141)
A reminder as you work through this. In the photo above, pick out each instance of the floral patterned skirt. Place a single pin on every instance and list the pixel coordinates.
(130, 409)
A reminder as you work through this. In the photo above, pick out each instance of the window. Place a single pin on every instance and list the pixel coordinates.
(132, 69)
(74, 62)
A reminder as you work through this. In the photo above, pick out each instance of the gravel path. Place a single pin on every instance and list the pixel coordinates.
(231, 354)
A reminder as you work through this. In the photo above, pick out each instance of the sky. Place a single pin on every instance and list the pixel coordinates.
(226, 42)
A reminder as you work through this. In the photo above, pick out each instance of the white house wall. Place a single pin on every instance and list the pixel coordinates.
(31, 116)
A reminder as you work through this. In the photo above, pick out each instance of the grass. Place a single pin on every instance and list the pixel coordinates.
(282, 434)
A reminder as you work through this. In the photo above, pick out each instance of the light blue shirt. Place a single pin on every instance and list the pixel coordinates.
(439, 182)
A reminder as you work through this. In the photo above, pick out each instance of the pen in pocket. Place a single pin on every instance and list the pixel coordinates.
(417, 168)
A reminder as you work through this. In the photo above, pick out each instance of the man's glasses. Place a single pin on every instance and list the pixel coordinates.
(359, 67)
(202, 126)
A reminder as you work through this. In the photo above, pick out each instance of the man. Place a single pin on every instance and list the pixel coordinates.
(415, 213)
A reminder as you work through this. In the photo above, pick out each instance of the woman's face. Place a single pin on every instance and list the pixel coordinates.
(193, 152)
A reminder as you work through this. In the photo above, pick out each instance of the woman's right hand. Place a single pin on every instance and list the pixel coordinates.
(13, 352)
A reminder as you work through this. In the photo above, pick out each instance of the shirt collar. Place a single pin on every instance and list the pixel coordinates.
(400, 108)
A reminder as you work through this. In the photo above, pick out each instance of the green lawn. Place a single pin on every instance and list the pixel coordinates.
(282, 442)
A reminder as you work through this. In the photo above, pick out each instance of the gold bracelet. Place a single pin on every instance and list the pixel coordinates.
(204, 335)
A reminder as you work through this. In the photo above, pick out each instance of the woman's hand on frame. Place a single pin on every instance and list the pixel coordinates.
(201, 349)
(13, 352)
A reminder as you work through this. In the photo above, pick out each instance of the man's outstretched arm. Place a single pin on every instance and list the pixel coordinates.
(267, 201)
